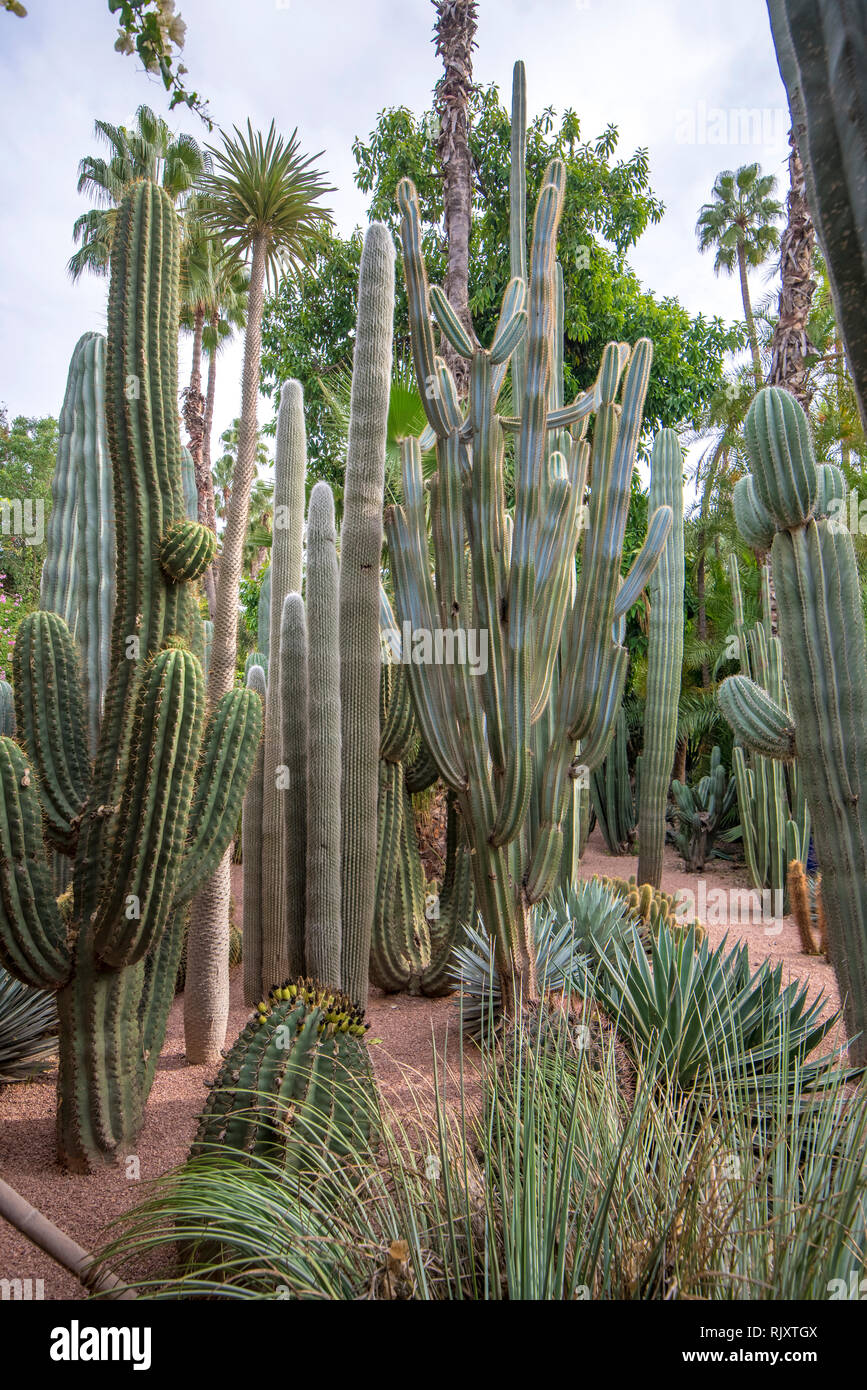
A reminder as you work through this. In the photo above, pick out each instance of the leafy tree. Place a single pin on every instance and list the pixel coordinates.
(307, 330)
(28, 453)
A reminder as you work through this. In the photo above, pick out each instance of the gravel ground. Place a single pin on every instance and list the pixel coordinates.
(403, 1033)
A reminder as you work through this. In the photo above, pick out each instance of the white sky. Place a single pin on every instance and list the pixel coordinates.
(658, 69)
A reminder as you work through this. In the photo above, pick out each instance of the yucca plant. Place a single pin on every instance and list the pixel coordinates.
(556, 1188)
(28, 1030)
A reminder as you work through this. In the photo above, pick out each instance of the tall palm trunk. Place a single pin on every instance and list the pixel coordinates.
(206, 996)
(748, 314)
(194, 405)
(455, 30)
(791, 344)
(209, 579)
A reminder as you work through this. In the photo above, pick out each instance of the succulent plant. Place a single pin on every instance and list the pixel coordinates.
(298, 1076)
(705, 815)
(825, 654)
(147, 821)
(28, 1030)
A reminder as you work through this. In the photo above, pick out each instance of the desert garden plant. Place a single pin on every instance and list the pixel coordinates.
(149, 818)
(28, 1030)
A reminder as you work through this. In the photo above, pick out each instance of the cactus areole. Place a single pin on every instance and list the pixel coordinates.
(149, 819)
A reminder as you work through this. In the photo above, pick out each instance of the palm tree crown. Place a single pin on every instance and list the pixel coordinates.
(146, 150)
(261, 187)
(740, 223)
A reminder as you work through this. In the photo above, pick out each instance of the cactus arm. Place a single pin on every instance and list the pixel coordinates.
(7, 709)
(758, 721)
(517, 779)
(752, 518)
(32, 935)
(423, 347)
(518, 214)
(149, 833)
(229, 749)
(645, 562)
(294, 691)
(51, 722)
(450, 325)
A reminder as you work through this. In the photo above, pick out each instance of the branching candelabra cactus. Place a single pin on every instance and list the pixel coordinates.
(148, 821)
(822, 635)
(479, 727)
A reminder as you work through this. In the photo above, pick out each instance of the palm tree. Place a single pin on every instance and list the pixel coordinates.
(146, 150)
(740, 224)
(454, 31)
(213, 304)
(260, 200)
(791, 348)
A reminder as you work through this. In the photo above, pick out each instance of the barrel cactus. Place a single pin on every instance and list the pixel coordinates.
(297, 1077)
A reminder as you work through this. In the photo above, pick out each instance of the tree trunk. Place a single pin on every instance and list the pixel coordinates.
(791, 345)
(455, 30)
(206, 996)
(209, 516)
(748, 315)
(194, 407)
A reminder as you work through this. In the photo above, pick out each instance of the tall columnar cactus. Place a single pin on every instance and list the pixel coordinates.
(612, 796)
(360, 556)
(821, 625)
(479, 727)
(284, 577)
(773, 809)
(78, 576)
(323, 914)
(263, 628)
(148, 820)
(251, 833)
(664, 660)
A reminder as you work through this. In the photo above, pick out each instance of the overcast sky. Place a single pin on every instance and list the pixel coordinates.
(676, 76)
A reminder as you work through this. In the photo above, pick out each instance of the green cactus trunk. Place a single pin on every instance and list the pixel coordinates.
(150, 818)
(821, 625)
(664, 660)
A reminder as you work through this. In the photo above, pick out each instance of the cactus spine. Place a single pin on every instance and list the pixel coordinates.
(825, 653)
(664, 660)
(479, 729)
(150, 818)
(360, 556)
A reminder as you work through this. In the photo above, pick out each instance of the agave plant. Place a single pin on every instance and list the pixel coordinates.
(570, 931)
(28, 1027)
(694, 1009)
